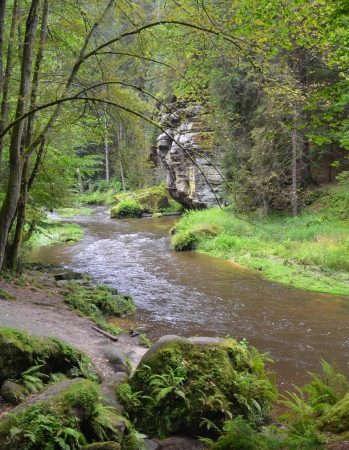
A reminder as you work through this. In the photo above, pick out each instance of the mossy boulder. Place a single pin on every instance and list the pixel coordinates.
(133, 204)
(69, 409)
(19, 351)
(336, 419)
(199, 378)
(12, 392)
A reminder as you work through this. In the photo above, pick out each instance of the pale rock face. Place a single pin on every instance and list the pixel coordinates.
(187, 150)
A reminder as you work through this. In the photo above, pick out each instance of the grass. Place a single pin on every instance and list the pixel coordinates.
(310, 251)
(53, 232)
(72, 212)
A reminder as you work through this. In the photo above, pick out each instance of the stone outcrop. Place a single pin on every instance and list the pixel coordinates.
(188, 151)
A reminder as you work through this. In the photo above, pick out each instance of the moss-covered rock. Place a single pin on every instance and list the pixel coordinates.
(199, 378)
(19, 351)
(12, 392)
(336, 419)
(133, 204)
(69, 410)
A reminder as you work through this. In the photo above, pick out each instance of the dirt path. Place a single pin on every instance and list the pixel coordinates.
(39, 309)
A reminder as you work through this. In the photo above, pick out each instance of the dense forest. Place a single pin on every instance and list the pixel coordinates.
(84, 90)
(81, 85)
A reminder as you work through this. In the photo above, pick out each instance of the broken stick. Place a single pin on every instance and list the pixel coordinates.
(110, 336)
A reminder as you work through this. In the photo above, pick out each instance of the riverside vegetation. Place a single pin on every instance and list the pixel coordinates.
(218, 390)
(309, 251)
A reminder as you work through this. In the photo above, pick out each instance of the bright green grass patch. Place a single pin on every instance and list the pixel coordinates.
(53, 232)
(310, 251)
(72, 212)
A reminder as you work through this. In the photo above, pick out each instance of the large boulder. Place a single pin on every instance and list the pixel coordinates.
(136, 203)
(182, 384)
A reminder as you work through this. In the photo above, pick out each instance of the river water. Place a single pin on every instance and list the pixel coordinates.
(189, 294)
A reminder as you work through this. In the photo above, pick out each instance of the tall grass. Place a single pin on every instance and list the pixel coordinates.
(312, 245)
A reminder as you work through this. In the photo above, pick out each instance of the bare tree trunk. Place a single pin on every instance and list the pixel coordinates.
(7, 75)
(300, 73)
(106, 146)
(2, 25)
(294, 136)
(81, 185)
(122, 177)
(15, 165)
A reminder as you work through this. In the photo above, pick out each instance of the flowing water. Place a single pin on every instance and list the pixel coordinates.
(189, 294)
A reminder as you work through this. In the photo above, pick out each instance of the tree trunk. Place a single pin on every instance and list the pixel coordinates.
(14, 249)
(106, 146)
(14, 180)
(294, 138)
(300, 73)
(7, 75)
(2, 25)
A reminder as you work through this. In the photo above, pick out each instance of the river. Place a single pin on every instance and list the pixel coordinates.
(188, 294)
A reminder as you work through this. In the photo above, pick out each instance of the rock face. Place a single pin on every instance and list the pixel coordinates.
(189, 153)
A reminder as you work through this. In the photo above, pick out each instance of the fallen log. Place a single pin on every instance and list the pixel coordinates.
(110, 336)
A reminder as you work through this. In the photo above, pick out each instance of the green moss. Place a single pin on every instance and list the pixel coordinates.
(6, 296)
(191, 380)
(151, 200)
(99, 303)
(53, 231)
(69, 416)
(336, 418)
(19, 351)
(126, 208)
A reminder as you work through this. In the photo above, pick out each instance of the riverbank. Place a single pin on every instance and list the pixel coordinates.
(37, 305)
(308, 252)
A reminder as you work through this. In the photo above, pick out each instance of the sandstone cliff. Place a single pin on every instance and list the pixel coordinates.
(187, 149)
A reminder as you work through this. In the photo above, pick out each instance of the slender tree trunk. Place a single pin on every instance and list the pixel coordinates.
(106, 146)
(122, 177)
(81, 185)
(2, 26)
(14, 180)
(294, 137)
(13, 250)
(300, 73)
(7, 74)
